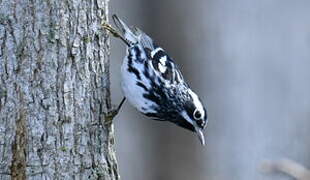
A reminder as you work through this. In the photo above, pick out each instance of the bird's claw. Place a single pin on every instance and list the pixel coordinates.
(113, 31)
(109, 116)
(113, 112)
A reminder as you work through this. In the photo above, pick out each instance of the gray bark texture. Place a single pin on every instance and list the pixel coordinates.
(55, 91)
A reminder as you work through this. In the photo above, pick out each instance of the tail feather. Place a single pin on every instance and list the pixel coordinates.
(133, 35)
(125, 30)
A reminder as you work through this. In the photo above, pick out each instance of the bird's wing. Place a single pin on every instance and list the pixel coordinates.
(165, 66)
(159, 59)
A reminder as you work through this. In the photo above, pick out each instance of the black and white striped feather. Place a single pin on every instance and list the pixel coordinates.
(153, 83)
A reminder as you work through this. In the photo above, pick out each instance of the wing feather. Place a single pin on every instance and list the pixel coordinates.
(158, 58)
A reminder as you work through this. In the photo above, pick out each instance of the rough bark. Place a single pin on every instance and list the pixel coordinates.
(54, 91)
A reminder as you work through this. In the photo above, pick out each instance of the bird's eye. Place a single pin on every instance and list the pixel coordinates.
(197, 114)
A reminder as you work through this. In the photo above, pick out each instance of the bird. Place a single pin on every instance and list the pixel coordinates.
(152, 82)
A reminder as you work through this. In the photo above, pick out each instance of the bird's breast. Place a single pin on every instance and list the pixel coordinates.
(135, 85)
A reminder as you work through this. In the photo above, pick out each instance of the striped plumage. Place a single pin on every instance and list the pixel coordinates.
(154, 85)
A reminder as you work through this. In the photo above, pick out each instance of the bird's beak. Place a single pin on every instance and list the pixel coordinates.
(200, 135)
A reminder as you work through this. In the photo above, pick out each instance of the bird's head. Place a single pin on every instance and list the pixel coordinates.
(194, 116)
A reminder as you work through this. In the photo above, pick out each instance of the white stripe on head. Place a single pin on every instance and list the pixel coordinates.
(187, 118)
(197, 103)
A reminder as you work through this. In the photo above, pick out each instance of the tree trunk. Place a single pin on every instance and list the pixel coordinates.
(54, 91)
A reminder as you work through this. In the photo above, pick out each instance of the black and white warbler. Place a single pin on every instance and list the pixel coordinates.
(153, 83)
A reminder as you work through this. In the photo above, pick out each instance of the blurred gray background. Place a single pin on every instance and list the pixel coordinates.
(249, 62)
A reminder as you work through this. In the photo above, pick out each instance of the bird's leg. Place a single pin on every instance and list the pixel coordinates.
(121, 104)
(114, 32)
(113, 112)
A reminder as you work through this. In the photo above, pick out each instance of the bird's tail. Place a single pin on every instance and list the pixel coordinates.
(130, 35)
(127, 33)
(133, 34)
